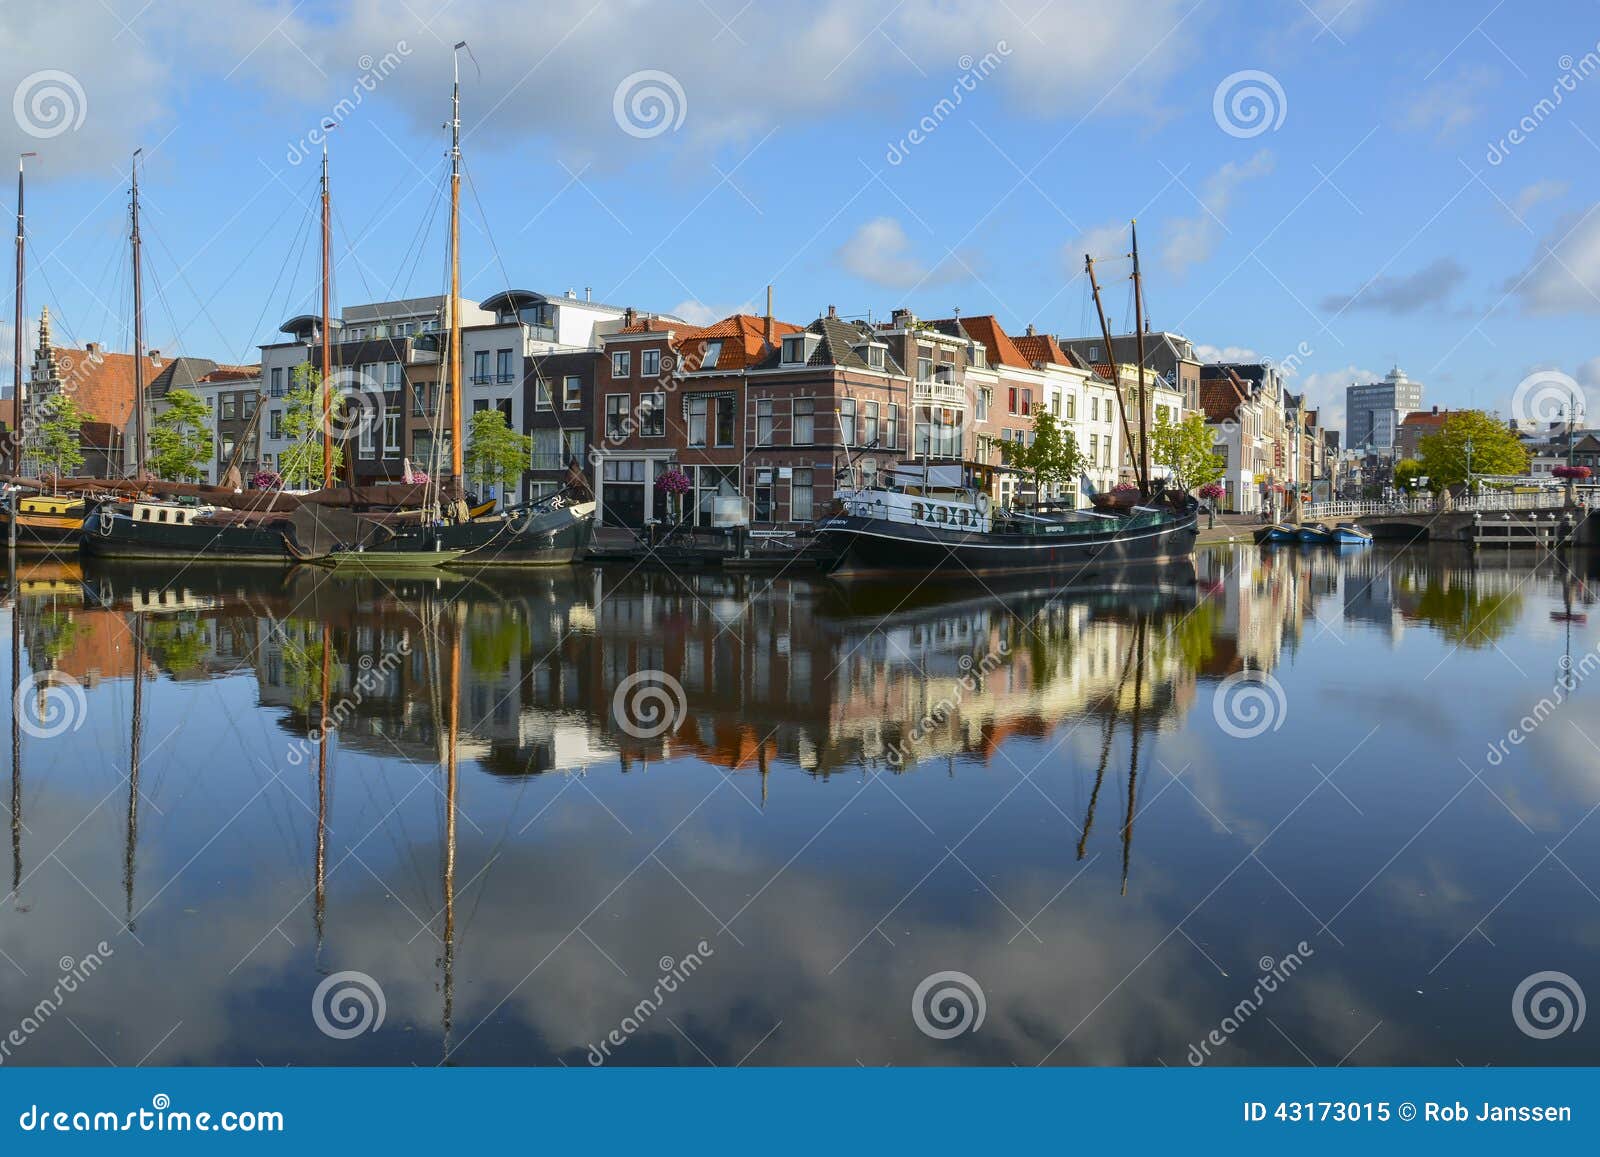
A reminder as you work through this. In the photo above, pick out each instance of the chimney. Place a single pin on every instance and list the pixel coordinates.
(92, 347)
(832, 312)
(628, 316)
(769, 329)
(154, 355)
(1031, 331)
(588, 293)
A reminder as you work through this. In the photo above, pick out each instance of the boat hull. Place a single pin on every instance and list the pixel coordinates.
(112, 534)
(870, 548)
(546, 538)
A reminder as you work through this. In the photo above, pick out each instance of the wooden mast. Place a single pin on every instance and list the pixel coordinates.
(320, 910)
(1116, 378)
(136, 741)
(138, 332)
(448, 941)
(1144, 394)
(16, 735)
(456, 470)
(16, 346)
(327, 337)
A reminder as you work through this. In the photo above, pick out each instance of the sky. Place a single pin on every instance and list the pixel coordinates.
(1336, 185)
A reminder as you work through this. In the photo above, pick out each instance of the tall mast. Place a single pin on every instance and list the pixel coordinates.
(138, 333)
(135, 744)
(1116, 378)
(327, 337)
(16, 363)
(1138, 338)
(455, 269)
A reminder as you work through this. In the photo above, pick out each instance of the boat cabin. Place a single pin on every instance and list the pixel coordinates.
(170, 515)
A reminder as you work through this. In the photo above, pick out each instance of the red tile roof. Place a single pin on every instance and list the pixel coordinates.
(987, 329)
(743, 337)
(1425, 418)
(1220, 398)
(1042, 348)
(102, 383)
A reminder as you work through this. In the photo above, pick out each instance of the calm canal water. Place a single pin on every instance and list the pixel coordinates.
(1304, 804)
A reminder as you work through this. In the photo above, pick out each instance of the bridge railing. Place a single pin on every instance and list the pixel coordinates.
(1323, 511)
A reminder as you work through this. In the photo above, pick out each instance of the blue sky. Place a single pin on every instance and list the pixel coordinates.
(1351, 217)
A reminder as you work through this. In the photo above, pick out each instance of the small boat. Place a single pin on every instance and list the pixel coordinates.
(1318, 533)
(44, 521)
(1277, 532)
(1349, 534)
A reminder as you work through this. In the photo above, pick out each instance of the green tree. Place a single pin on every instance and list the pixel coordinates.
(60, 439)
(1495, 449)
(1186, 449)
(301, 463)
(1053, 456)
(1406, 473)
(180, 443)
(495, 453)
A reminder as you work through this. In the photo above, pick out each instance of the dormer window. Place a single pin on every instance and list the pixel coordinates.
(794, 350)
(713, 354)
(875, 356)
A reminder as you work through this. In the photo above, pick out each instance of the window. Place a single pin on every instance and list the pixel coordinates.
(804, 433)
(794, 350)
(1012, 406)
(277, 383)
(541, 395)
(623, 470)
(650, 363)
(419, 398)
(869, 430)
(502, 366)
(621, 363)
(480, 405)
(230, 406)
(274, 423)
(392, 375)
(480, 367)
(1094, 449)
(367, 448)
(924, 369)
(653, 414)
(1055, 404)
(547, 449)
(800, 495)
(572, 391)
(847, 421)
(391, 430)
(1094, 409)
(981, 409)
(249, 409)
(696, 417)
(616, 416)
(711, 355)
(574, 445)
(764, 422)
(891, 428)
(725, 417)
(1072, 407)
(875, 357)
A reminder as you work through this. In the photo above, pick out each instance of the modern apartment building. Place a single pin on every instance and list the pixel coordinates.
(1373, 412)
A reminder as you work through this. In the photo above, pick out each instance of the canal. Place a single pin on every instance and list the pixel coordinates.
(1298, 807)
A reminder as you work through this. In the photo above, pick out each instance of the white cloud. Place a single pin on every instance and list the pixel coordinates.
(1449, 104)
(1588, 374)
(1563, 275)
(1191, 240)
(697, 312)
(880, 252)
(1102, 242)
(1536, 194)
(1325, 392)
(1228, 353)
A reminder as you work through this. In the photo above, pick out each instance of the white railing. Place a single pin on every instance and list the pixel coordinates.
(1551, 499)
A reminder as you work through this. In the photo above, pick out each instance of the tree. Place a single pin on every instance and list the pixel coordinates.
(60, 437)
(495, 453)
(1406, 473)
(301, 463)
(1495, 449)
(180, 443)
(1186, 449)
(1053, 456)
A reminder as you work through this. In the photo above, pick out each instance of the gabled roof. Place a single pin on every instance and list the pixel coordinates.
(1044, 349)
(1425, 419)
(986, 329)
(743, 337)
(837, 347)
(1221, 398)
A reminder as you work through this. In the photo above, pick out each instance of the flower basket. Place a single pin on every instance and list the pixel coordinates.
(1572, 473)
(1211, 492)
(266, 480)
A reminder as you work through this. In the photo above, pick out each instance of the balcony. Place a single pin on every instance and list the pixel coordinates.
(939, 393)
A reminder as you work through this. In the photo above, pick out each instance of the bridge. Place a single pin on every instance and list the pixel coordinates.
(1540, 519)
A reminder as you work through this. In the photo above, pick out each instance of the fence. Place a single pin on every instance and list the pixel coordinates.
(1317, 511)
